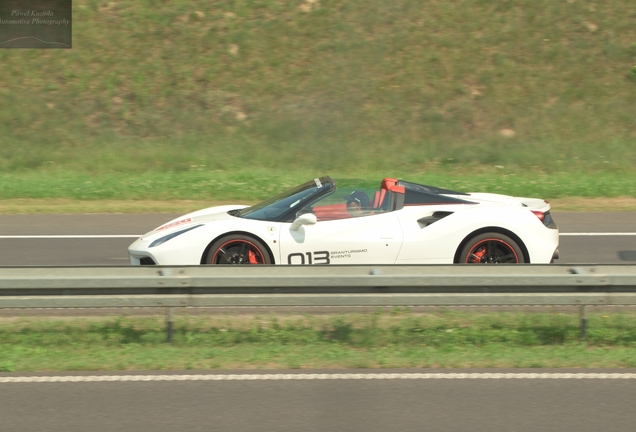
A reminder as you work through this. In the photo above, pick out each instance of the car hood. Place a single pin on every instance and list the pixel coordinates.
(198, 217)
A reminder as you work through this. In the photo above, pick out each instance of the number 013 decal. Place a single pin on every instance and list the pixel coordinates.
(318, 257)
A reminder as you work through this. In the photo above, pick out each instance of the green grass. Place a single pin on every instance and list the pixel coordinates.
(203, 185)
(347, 87)
(381, 340)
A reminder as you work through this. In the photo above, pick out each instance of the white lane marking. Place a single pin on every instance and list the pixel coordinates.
(341, 376)
(66, 236)
(600, 234)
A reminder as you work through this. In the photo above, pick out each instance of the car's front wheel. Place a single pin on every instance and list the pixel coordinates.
(237, 249)
(491, 248)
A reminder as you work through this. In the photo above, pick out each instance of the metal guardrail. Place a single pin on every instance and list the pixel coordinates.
(363, 285)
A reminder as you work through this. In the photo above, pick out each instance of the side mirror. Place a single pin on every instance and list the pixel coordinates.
(304, 219)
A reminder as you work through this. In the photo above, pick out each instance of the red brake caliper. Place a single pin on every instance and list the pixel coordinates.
(251, 257)
(478, 255)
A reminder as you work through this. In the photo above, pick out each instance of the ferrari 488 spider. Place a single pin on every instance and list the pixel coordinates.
(398, 222)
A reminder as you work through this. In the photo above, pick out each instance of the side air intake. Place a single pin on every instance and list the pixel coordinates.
(428, 220)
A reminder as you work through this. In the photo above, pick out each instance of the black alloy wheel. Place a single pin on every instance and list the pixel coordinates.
(491, 248)
(238, 249)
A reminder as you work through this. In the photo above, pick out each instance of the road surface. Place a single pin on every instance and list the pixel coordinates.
(245, 401)
(103, 239)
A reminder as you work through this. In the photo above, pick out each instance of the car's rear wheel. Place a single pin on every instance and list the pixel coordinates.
(491, 248)
(237, 249)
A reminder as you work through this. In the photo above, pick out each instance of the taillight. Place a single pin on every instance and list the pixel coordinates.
(545, 218)
(540, 215)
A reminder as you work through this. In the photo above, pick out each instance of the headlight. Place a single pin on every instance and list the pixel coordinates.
(164, 239)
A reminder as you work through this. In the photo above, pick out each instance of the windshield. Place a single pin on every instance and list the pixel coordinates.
(283, 206)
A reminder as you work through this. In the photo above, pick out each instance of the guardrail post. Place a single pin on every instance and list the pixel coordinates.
(583, 315)
(169, 324)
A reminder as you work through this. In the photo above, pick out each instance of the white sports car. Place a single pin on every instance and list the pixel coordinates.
(396, 223)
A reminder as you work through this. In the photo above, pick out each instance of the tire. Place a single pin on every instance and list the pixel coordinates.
(237, 249)
(491, 248)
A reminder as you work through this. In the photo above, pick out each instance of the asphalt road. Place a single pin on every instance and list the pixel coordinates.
(292, 405)
(593, 238)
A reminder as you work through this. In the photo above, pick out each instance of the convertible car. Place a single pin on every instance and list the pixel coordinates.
(398, 222)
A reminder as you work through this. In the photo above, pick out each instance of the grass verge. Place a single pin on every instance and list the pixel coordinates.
(76, 192)
(67, 206)
(448, 339)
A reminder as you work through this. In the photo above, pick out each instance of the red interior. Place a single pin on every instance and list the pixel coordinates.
(339, 211)
(331, 212)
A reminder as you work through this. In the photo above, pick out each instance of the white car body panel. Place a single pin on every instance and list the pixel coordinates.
(188, 248)
(439, 245)
(345, 241)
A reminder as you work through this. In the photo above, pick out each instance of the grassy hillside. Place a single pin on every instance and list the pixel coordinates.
(326, 86)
